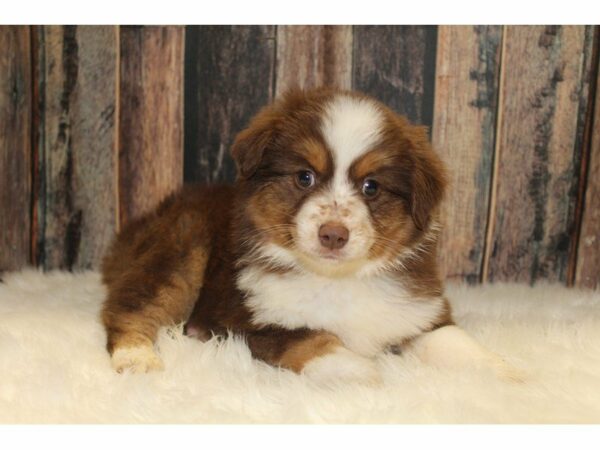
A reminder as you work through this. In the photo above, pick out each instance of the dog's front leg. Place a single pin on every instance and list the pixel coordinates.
(451, 347)
(317, 354)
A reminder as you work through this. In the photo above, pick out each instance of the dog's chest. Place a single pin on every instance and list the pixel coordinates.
(366, 314)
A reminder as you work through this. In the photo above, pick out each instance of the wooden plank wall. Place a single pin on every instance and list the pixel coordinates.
(312, 56)
(76, 149)
(151, 117)
(586, 262)
(229, 76)
(540, 131)
(100, 130)
(464, 131)
(108, 134)
(397, 65)
(15, 147)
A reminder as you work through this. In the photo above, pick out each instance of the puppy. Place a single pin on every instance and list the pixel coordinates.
(322, 254)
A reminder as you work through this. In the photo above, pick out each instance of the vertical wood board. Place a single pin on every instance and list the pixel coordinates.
(151, 117)
(229, 76)
(467, 72)
(396, 64)
(542, 111)
(15, 146)
(311, 56)
(587, 273)
(77, 202)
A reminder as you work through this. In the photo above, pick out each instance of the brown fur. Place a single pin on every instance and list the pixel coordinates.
(180, 262)
(156, 266)
(291, 349)
(298, 355)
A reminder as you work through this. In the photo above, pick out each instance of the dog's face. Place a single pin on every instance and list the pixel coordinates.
(336, 182)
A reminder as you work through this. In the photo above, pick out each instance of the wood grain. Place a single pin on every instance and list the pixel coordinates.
(77, 158)
(587, 273)
(312, 56)
(545, 81)
(15, 146)
(229, 77)
(151, 117)
(467, 73)
(396, 64)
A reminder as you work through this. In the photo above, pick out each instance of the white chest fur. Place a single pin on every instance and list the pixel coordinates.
(366, 314)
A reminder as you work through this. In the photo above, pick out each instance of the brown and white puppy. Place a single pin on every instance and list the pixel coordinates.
(322, 254)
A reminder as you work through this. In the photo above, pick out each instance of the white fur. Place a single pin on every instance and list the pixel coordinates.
(451, 347)
(276, 255)
(350, 127)
(55, 368)
(367, 314)
(342, 366)
(136, 359)
(349, 210)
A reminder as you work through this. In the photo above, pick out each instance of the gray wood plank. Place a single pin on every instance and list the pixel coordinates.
(544, 95)
(77, 201)
(467, 76)
(396, 64)
(229, 76)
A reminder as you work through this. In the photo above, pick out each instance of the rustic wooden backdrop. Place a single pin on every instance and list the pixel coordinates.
(95, 129)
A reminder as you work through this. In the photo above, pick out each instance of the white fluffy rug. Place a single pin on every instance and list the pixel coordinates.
(54, 368)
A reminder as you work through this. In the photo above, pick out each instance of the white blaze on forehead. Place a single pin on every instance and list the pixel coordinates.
(351, 126)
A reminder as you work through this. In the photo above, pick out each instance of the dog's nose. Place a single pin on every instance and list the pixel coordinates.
(333, 235)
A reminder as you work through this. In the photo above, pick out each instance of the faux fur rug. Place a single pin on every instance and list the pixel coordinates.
(54, 368)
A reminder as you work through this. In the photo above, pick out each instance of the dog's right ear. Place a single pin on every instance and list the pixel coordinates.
(250, 144)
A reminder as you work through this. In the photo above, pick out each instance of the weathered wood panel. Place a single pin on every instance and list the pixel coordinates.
(396, 64)
(467, 72)
(228, 78)
(15, 146)
(545, 78)
(77, 160)
(587, 273)
(311, 56)
(151, 117)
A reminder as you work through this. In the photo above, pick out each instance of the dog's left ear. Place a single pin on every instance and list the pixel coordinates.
(428, 177)
(250, 144)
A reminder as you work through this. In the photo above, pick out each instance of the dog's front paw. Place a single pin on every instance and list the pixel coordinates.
(343, 366)
(140, 359)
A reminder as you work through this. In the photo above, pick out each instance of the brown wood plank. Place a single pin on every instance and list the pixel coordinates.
(467, 72)
(151, 116)
(229, 76)
(312, 56)
(545, 81)
(77, 160)
(15, 146)
(587, 273)
(396, 64)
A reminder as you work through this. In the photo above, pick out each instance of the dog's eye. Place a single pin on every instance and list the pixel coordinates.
(370, 187)
(305, 179)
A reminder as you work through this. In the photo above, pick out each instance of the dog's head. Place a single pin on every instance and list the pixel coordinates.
(336, 182)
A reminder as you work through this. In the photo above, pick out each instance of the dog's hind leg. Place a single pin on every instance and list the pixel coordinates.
(135, 310)
(158, 288)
